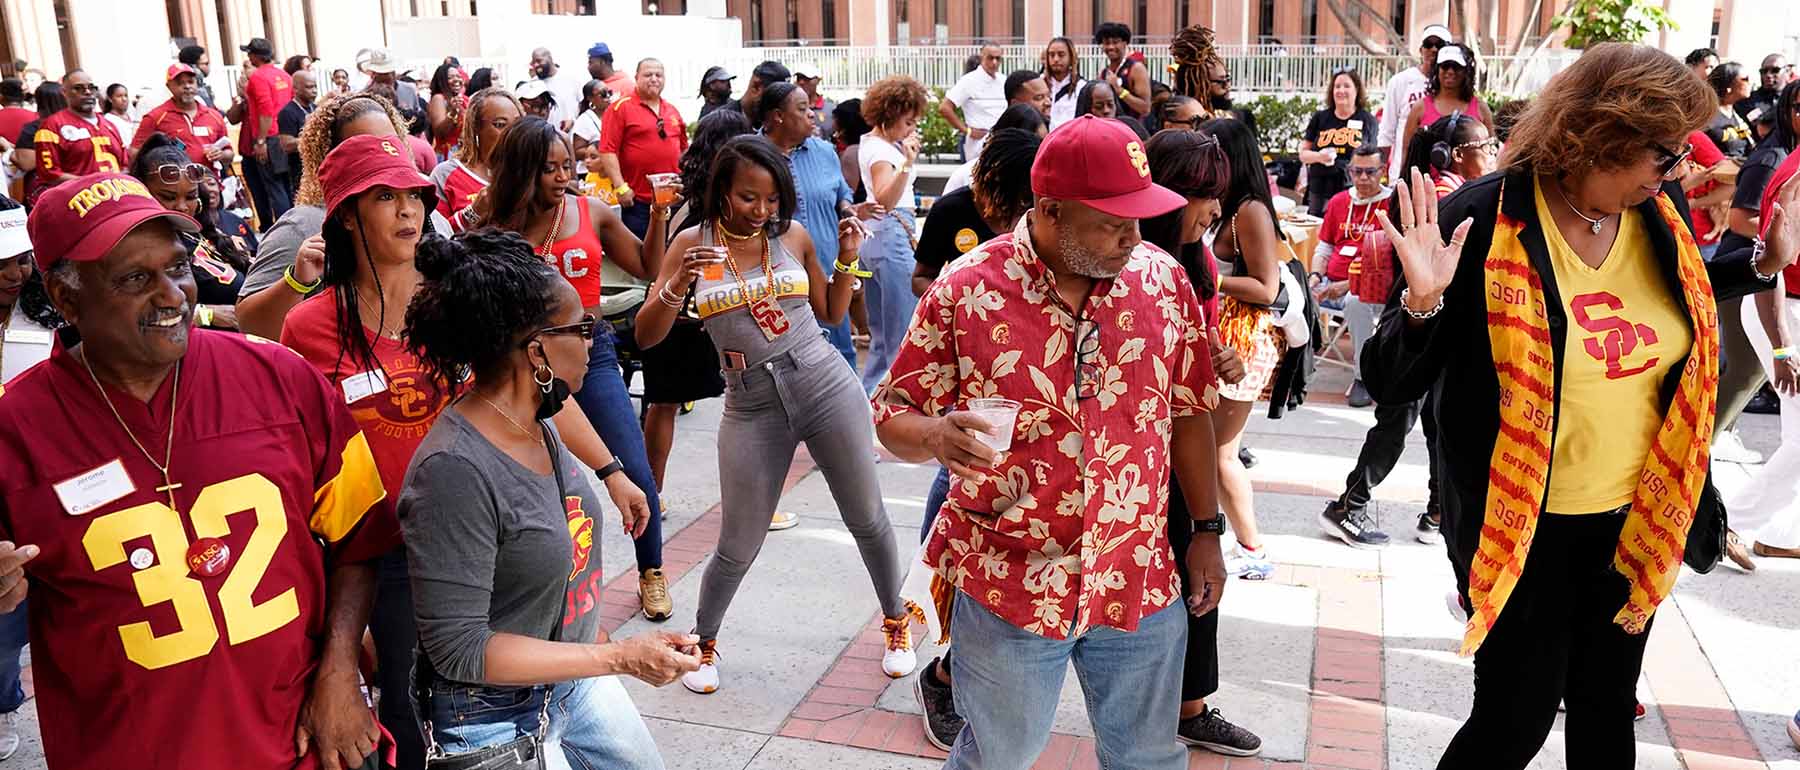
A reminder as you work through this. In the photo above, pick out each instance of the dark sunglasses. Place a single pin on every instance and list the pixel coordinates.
(661, 132)
(1224, 81)
(583, 328)
(1669, 165)
(169, 173)
(84, 89)
(1432, 43)
(1365, 170)
(1776, 70)
(1087, 364)
(1191, 123)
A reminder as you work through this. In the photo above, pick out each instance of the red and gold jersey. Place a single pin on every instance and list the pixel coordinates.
(183, 637)
(69, 144)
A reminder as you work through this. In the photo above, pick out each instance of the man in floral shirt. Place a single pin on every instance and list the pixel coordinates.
(1058, 550)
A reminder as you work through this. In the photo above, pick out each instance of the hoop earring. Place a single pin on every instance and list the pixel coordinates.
(543, 377)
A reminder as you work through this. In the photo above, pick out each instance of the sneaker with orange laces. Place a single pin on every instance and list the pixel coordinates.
(705, 679)
(899, 660)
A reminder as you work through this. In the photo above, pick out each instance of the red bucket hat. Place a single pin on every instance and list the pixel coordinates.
(82, 219)
(1101, 163)
(366, 161)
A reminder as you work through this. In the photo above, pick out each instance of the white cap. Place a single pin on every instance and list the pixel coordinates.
(1452, 54)
(1440, 31)
(806, 69)
(13, 237)
(533, 89)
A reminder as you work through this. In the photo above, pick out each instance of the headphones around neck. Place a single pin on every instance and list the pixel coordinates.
(1443, 153)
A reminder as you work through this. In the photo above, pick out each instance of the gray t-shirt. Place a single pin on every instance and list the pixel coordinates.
(279, 245)
(490, 550)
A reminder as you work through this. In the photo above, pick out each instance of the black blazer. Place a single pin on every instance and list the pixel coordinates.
(1450, 358)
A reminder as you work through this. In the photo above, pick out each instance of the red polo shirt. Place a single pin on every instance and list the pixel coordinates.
(630, 132)
(199, 131)
(268, 90)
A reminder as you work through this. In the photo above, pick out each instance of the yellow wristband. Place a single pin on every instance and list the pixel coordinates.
(852, 269)
(203, 316)
(298, 287)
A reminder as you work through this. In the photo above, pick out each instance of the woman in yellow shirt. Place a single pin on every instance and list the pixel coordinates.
(1562, 318)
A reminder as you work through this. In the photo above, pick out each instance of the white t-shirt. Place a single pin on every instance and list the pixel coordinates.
(980, 96)
(1403, 91)
(1062, 108)
(567, 92)
(587, 126)
(873, 149)
(961, 176)
(26, 344)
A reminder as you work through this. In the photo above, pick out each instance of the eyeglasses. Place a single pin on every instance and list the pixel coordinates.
(583, 328)
(1365, 171)
(87, 88)
(1489, 145)
(1087, 363)
(169, 173)
(1671, 162)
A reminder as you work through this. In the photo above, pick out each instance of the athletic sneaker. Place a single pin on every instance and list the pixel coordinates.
(1248, 564)
(1428, 531)
(1794, 730)
(900, 660)
(782, 520)
(653, 595)
(1246, 457)
(938, 707)
(705, 679)
(1729, 448)
(1355, 527)
(1453, 602)
(1359, 397)
(9, 734)
(1210, 731)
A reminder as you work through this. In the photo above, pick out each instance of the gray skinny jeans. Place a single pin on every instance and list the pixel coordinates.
(807, 395)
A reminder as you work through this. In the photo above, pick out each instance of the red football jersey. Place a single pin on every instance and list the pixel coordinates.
(183, 638)
(70, 144)
(395, 402)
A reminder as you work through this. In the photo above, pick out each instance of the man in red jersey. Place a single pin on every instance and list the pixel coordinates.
(205, 509)
(77, 142)
(265, 174)
(185, 117)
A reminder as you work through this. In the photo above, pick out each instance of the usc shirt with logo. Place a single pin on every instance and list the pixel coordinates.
(1626, 331)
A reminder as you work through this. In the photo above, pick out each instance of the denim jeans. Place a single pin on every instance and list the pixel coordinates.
(608, 406)
(636, 218)
(12, 645)
(934, 500)
(268, 191)
(840, 338)
(1008, 682)
(888, 295)
(396, 634)
(593, 723)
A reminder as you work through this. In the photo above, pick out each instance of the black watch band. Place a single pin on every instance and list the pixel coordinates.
(609, 469)
(1213, 526)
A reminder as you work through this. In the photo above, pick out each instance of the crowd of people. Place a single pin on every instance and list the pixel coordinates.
(446, 264)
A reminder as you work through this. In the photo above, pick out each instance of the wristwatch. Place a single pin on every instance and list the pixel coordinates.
(609, 469)
(1212, 526)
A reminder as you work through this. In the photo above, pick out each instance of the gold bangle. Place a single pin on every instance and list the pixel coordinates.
(298, 287)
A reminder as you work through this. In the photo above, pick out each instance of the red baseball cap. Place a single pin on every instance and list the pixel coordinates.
(1101, 163)
(84, 218)
(366, 161)
(178, 69)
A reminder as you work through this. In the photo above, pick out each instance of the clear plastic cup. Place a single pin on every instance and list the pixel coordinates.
(663, 187)
(714, 269)
(1003, 414)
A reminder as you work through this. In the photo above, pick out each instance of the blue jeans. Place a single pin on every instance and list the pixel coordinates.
(1707, 250)
(1008, 682)
(934, 500)
(636, 218)
(888, 295)
(593, 723)
(13, 638)
(603, 399)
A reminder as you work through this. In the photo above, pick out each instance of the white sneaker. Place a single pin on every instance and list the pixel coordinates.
(900, 660)
(1453, 602)
(1729, 448)
(9, 734)
(705, 679)
(783, 520)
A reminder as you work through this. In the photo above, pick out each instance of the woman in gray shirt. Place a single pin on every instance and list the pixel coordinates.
(499, 522)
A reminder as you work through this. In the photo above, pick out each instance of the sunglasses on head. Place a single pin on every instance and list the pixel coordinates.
(170, 173)
(1669, 165)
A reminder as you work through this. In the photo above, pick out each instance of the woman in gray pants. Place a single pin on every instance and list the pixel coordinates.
(759, 290)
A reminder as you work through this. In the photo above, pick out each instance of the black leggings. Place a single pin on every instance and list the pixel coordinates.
(1555, 641)
(1200, 677)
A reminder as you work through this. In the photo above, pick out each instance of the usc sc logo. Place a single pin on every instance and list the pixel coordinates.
(388, 147)
(1139, 160)
(1612, 338)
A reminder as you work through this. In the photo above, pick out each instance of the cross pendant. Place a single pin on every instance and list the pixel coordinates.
(168, 487)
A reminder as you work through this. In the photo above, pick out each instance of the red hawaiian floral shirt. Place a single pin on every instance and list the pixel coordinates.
(1069, 532)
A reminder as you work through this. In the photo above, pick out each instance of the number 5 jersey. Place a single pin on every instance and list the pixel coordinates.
(184, 635)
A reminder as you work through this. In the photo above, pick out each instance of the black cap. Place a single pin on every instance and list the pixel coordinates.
(258, 47)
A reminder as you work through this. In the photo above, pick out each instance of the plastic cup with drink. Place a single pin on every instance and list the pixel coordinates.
(663, 187)
(1000, 413)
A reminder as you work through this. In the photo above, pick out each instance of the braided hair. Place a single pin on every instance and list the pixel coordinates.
(1193, 53)
(324, 128)
(1001, 182)
(479, 293)
(467, 151)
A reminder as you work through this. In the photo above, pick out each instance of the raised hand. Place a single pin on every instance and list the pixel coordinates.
(1427, 262)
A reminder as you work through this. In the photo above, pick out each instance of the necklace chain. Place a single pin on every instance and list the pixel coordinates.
(503, 415)
(550, 237)
(380, 320)
(743, 285)
(168, 448)
(1594, 225)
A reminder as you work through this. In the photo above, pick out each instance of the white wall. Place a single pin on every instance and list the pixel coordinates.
(124, 43)
(1752, 29)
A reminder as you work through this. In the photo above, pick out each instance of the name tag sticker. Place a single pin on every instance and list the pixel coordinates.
(1355, 124)
(1348, 250)
(28, 336)
(360, 386)
(202, 131)
(1754, 114)
(88, 491)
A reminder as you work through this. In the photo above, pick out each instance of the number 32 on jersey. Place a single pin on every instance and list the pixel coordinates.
(168, 579)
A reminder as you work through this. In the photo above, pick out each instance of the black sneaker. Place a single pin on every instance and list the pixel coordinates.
(1764, 402)
(1210, 731)
(942, 723)
(1355, 528)
(1359, 396)
(1245, 457)
(1428, 529)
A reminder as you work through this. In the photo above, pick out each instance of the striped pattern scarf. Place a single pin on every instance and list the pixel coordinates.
(1655, 534)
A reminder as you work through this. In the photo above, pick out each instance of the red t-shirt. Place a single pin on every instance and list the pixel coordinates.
(268, 90)
(630, 131)
(460, 189)
(395, 403)
(1343, 228)
(13, 120)
(1784, 172)
(70, 144)
(140, 660)
(199, 131)
(1707, 155)
(578, 256)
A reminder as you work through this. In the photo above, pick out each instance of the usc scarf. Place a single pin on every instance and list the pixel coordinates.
(1655, 533)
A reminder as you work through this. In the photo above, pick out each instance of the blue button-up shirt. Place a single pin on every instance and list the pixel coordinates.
(818, 187)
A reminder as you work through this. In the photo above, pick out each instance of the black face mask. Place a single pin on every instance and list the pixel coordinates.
(552, 398)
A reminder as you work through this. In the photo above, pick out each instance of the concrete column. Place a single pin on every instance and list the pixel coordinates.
(869, 22)
(115, 41)
(31, 29)
(712, 9)
(1422, 12)
(1752, 29)
(1695, 18)
(340, 49)
(1056, 18)
(1231, 23)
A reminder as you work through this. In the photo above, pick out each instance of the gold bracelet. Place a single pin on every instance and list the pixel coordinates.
(298, 287)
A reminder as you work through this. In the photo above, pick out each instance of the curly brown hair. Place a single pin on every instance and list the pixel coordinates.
(321, 132)
(891, 99)
(1604, 108)
(466, 150)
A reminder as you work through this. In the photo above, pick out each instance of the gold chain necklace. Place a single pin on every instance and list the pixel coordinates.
(550, 237)
(380, 322)
(731, 264)
(734, 236)
(507, 417)
(168, 449)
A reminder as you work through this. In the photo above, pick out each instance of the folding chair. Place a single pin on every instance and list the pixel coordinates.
(1333, 328)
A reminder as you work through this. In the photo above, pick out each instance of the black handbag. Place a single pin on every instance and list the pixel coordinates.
(1706, 536)
(525, 752)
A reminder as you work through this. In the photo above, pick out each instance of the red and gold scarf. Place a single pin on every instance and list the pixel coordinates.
(1655, 534)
